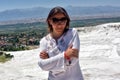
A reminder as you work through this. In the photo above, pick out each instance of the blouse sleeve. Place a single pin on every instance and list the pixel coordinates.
(52, 63)
(76, 40)
(76, 45)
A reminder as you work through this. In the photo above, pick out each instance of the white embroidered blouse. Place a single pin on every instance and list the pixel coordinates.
(59, 68)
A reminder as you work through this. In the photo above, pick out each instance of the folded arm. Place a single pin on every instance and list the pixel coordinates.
(52, 63)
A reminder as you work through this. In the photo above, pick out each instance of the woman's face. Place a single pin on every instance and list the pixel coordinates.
(58, 22)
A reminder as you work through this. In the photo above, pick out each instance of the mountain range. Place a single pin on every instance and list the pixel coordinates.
(73, 11)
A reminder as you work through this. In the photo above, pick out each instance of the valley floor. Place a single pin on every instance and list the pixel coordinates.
(99, 57)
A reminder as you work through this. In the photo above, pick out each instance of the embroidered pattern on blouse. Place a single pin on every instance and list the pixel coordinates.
(53, 48)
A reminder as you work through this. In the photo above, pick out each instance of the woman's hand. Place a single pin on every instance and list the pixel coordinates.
(44, 55)
(71, 52)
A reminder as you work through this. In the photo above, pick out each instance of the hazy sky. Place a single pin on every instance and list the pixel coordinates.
(18, 4)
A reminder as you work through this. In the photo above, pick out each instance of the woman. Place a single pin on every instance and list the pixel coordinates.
(59, 50)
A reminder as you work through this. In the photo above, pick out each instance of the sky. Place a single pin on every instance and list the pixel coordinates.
(21, 4)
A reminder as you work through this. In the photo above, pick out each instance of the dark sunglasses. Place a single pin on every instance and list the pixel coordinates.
(55, 20)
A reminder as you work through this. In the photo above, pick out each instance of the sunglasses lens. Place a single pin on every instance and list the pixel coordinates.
(56, 20)
(63, 19)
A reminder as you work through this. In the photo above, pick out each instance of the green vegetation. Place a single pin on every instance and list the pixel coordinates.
(5, 57)
(22, 36)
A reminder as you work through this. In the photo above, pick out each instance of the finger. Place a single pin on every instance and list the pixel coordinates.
(75, 55)
(74, 49)
(41, 55)
(44, 55)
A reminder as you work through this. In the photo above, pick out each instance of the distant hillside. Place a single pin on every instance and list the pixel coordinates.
(74, 12)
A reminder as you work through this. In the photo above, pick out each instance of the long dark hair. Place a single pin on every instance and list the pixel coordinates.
(54, 11)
